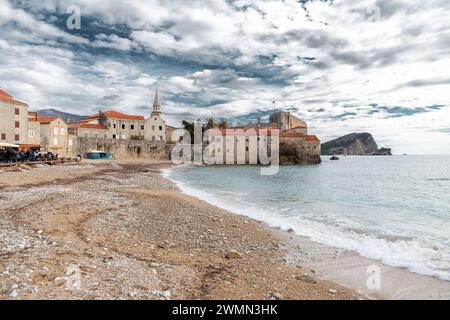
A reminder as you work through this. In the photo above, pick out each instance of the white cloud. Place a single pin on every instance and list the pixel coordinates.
(329, 62)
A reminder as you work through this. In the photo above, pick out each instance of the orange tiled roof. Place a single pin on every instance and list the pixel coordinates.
(289, 134)
(6, 97)
(45, 120)
(87, 126)
(312, 138)
(117, 115)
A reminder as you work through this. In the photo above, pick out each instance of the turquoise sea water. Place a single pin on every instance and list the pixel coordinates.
(394, 209)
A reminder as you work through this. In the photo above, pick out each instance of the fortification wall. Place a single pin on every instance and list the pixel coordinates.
(121, 149)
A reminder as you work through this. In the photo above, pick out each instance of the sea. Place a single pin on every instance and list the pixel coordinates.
(395, 209)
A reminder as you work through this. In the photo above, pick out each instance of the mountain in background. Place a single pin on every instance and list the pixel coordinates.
(354, 144)
(69, 117)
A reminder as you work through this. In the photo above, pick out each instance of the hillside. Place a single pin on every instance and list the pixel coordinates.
(359, 144)
(56, 113)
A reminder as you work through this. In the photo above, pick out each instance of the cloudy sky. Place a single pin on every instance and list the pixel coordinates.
(381, 66)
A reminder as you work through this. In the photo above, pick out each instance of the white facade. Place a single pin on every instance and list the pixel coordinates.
(155, 126)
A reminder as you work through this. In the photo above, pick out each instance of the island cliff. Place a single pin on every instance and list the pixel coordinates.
(359, 144)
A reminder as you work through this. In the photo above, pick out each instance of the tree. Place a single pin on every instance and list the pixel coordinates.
(223, 124)
(103, 119)
(211, 123)
(189, 126)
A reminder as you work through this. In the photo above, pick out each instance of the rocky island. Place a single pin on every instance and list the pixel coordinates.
(354, 144)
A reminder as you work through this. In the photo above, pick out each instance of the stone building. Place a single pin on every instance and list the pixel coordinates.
(296, 146)
(119, 125)
(237, 146)
(88, 130)
(33, 133)
(54, 134)
(155, 126)
(285, 121)
(13, 119)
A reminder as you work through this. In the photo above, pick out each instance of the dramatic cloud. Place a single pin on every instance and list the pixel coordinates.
(372, 65)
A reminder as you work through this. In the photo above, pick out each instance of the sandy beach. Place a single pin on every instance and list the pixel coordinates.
(119, 230)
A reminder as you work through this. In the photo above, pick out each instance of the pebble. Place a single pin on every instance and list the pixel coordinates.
(307, 279)
(332, 291)
(59, 281)
(233, 254)
(155, 265)
(276, 296)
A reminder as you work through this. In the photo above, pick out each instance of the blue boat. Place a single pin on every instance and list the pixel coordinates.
(97, 155)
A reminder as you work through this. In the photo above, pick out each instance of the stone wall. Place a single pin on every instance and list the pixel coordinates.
(298, 151)
(121, 149)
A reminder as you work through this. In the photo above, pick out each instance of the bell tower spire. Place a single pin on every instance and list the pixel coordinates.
(156, 105)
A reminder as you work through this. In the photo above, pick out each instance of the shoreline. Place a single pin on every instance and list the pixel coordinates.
(128, 233)
(349, 268)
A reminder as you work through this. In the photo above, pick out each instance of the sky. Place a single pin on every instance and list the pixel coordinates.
(378, 66)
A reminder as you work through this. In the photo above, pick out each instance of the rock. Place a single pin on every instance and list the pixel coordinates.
(332, 291)
(155, 265)
(14, 294)
(40, 232)
(307, 279)
(162, 294)
(59, 281)
(334, 158)
(357, 144)
(233, 254)
(276, 296)
(291, 230)
(167, 245)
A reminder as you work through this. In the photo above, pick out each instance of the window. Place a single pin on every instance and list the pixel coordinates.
(3, 136)
(153, 128)
(86, 135)
(142, 127)
(55, 141)
(114, 126)
(123, 127)
(160, 138)
(114, 136)
(160, 128)
(63, 131)
(70, 142)
(156, 119)
(17, 124)
(17, 111)
(31, 133)
(56, 131)
(132, 127)
(17, 137)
